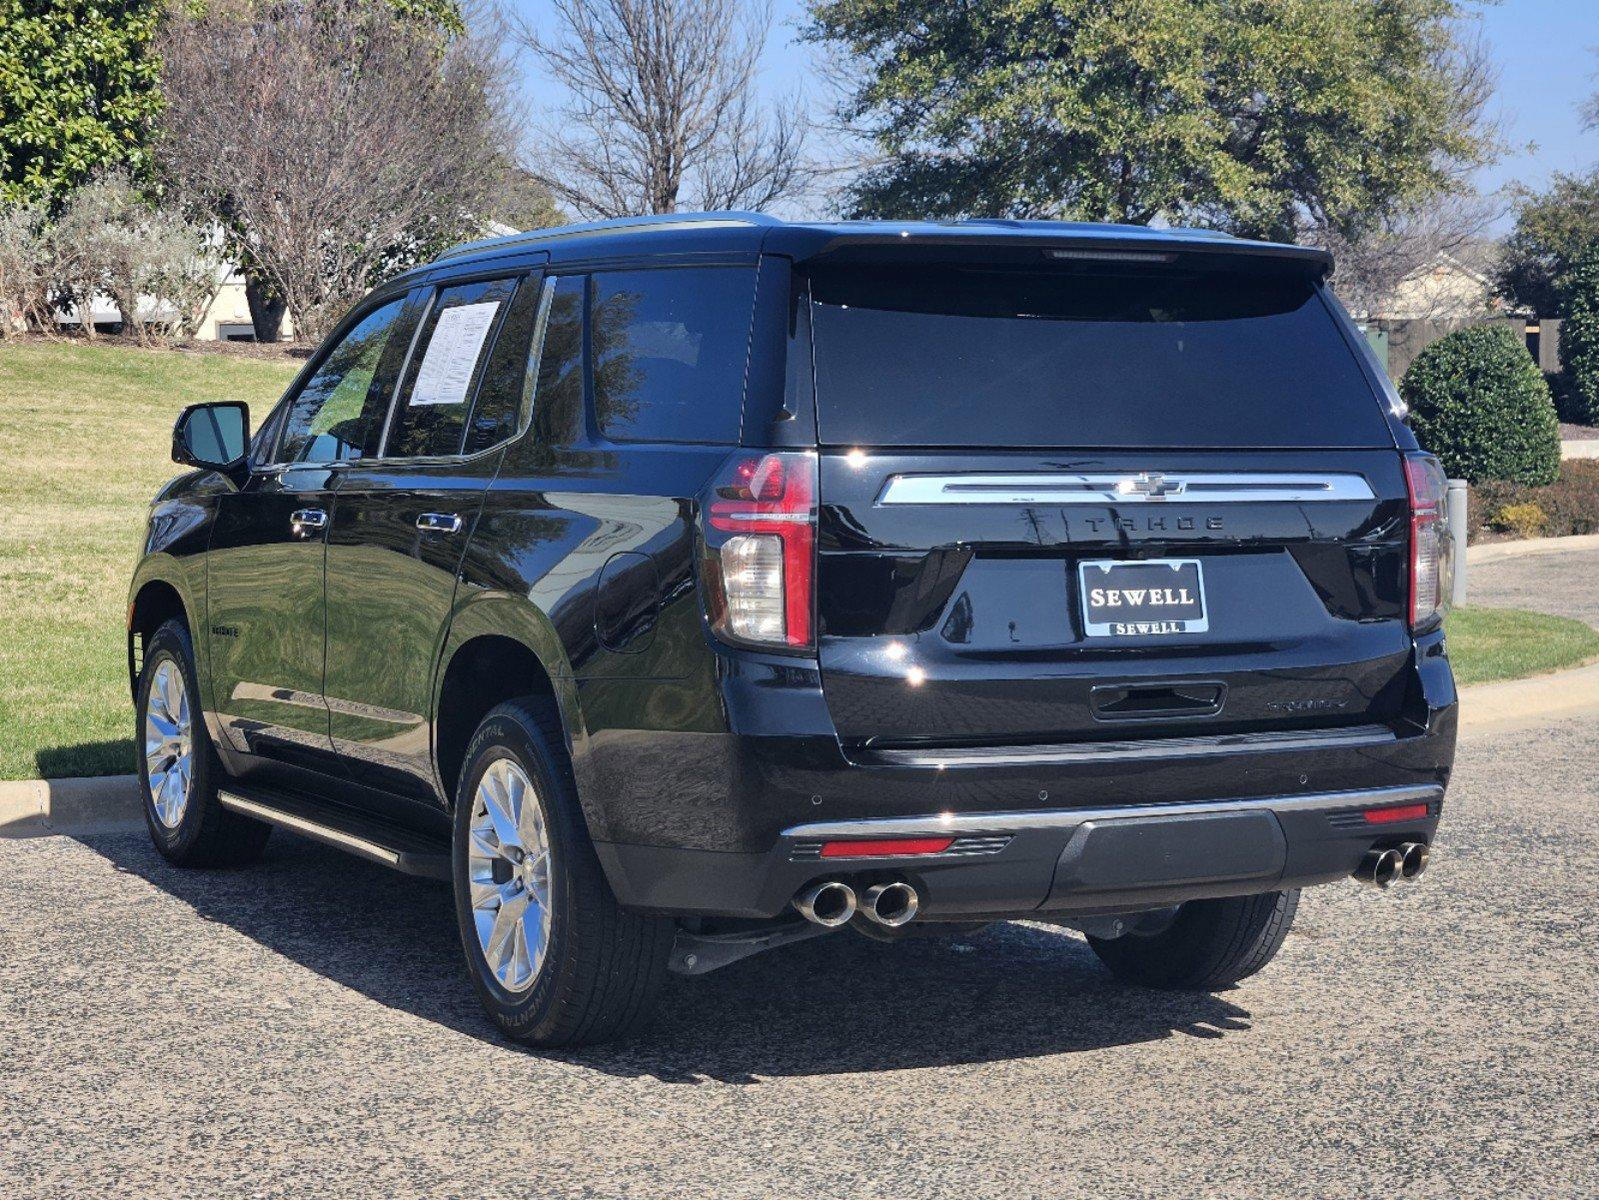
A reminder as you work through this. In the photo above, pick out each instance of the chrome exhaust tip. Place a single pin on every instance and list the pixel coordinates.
(828, 903)
(1380, 867)
(891, 904)
(1413, 858)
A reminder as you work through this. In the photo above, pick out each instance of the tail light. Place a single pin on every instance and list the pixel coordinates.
(1432, 561)
(760, 551)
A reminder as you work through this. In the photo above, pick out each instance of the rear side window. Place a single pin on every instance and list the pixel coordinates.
(1084, 357)
(446, 368)
(670, 347)
(507, 384)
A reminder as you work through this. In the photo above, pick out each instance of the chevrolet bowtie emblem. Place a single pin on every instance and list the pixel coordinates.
(1151, 484)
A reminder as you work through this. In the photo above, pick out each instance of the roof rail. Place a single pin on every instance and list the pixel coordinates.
(615, 225)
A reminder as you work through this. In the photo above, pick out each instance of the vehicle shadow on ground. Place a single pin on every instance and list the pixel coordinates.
(837, 1005)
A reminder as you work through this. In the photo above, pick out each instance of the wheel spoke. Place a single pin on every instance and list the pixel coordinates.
(497, 804)
(168, 742)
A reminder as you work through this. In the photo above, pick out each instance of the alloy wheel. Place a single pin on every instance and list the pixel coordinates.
(168, 744)
(508, 872)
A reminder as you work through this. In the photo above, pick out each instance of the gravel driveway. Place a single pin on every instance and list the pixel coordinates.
(302, 1028)
(1563, 583)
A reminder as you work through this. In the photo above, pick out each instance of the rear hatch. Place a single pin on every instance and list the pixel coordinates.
(1097, 497)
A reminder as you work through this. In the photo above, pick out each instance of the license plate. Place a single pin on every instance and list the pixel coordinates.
(1150, 598)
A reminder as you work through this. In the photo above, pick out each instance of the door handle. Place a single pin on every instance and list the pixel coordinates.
(439, 523)
(305, 521)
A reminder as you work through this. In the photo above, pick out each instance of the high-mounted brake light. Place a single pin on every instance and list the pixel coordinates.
(760, 561)
(1432, 564)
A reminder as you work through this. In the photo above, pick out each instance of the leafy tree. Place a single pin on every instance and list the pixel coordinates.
(79, 85)
(1579, 338)
(1553, 230)
(1264, 116)
(1479, 402)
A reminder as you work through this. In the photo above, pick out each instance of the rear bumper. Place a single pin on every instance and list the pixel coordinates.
(1015, 864)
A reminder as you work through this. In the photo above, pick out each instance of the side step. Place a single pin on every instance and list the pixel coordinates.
(367, 837)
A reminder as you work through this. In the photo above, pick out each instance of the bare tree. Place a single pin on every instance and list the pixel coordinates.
(661, 107)
(1373, 265)
(334, 141)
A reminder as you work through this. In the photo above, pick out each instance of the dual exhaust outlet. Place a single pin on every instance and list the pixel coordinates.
(1381, 867)
(832, 903)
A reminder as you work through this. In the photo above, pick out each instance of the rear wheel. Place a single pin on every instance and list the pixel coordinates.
(554, 959)
(1210, 944)
(178, 769)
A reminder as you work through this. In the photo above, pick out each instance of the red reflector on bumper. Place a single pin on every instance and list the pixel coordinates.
(1404, 812)
(887, 847)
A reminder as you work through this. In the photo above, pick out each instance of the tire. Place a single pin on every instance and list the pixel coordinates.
(1211, 944)
(601, 966)
(187, 824)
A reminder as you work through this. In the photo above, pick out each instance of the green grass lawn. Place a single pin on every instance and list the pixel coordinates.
(1486, 644)
(85, 436)
(85, 433)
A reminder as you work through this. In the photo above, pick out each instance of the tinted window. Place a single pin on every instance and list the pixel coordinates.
(1084, 357)
(445, 369)
(669, 352)
(507, 383)
(340, 409)
(558, 394)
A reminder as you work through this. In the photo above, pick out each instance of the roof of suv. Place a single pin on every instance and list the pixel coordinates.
(754, 232)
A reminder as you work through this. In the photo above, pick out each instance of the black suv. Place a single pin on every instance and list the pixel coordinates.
(684, 587)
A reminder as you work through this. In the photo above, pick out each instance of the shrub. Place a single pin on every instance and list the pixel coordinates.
(156, 266)
(1524, 519)
(1579, 339)
(1569, 506)
(25, 259)
(1479, 402)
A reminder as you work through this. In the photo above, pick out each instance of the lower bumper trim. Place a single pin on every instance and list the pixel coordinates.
(1070, 818)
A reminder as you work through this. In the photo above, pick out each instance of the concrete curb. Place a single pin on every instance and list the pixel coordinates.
(1488, 708)
(34, 807)
(1495, 551)
(1580, 448)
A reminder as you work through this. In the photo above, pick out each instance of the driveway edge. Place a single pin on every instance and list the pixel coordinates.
(103, 804)
(1496, 551)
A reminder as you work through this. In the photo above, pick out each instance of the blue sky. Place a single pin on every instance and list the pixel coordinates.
(1545, 51)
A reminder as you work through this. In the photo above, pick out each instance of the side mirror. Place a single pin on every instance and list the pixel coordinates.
(214, 436)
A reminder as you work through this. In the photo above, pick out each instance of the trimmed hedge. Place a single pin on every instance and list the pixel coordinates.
(1479, 402)
(1579, 341)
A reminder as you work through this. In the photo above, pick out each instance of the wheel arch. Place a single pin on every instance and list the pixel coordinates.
(498, 649)
(155, 601)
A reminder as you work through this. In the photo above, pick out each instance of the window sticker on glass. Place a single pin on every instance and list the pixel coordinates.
(452, 353)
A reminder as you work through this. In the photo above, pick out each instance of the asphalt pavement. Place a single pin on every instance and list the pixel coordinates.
(303, 1028)
(1564, 583)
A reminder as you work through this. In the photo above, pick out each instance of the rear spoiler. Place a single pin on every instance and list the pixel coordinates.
(1026, 242)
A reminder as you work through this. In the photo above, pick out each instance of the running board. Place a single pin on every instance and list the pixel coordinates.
(365, 837)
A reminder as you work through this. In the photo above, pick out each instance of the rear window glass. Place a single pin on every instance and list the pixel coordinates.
(669, 352)
(946, 356)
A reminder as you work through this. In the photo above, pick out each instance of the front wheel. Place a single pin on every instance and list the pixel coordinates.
(178, 769)
(1210, 944)
(554, 959)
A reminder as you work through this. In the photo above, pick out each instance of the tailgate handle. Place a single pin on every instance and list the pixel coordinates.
(1144, 701)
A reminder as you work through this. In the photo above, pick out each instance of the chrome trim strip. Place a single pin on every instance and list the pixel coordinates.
(313, 829)
(1141, 488)
(1143, 748)
(1071, 818)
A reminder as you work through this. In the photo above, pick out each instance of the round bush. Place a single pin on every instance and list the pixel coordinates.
(1579, 340)
(1479, 402)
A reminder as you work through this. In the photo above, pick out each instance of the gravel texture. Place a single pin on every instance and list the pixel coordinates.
(1563, 583)
(303, 1028)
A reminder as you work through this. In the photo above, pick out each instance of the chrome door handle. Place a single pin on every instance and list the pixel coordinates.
(439, 523)
(306, 521)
